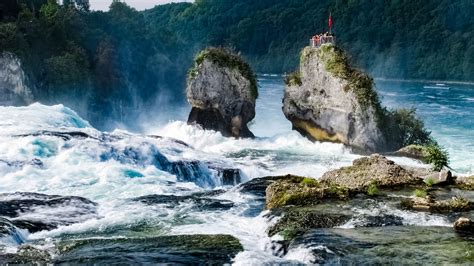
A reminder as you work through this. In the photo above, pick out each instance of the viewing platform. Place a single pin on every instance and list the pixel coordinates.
(318, 40)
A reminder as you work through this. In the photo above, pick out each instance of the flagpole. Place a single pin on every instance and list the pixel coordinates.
(330, 23)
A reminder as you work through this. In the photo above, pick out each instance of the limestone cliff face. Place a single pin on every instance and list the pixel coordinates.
(222, 92)
(13, 88)
(329, 101)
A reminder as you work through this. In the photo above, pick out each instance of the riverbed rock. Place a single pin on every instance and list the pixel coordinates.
(222, 90)
(36, 212)
(375, 169)
(328, 100)
(172, 249)
(428, 203)
(417, 152)
(302, 191)
(464, 225)
(299, 220)
(366, 175)
(465, 182)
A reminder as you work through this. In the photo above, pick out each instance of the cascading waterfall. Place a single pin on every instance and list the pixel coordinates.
(67, 185)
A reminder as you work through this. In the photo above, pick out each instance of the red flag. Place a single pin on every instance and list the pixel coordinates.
(330, 21)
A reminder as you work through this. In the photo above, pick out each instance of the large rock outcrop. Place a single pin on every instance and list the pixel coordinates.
(328, 100)
(13, 88)
(222, 91)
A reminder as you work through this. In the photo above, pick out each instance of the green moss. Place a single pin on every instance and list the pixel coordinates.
(337, 62)
(310, 182)
(225, 58)
(298, 220)
(420, 193)
(301, 191)
(430, 181)
(373, 190)
(293, 79)
(400, 127)
(337, 191)
(457, 204)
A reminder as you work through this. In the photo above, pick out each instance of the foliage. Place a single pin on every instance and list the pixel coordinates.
(406, 128)
(420, 193)
(310, 182)
(437, 156)
(123, 59)
(402, 39)
(337, 63)
(293, 79)
(373, 190)
(430, 181)
(225, 58)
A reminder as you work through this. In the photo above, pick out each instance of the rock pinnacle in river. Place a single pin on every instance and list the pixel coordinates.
(328, 100)
(222, 90)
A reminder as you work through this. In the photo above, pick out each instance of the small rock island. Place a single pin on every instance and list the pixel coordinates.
(328, 100)
(222, 90)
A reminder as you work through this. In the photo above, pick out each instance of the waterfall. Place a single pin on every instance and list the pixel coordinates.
(13, 85)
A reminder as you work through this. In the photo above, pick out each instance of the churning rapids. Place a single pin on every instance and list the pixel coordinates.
(111, 197)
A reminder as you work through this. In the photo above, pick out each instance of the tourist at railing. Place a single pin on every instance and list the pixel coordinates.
(319, 39)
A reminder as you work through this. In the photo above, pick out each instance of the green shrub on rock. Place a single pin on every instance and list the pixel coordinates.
(437, 156)
(293, 79)
(420, 193)
(373, 190)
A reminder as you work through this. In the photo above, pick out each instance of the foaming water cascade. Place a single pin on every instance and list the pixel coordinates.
(71, 190)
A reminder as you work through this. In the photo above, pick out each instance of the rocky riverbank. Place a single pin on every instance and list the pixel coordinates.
(309, 211)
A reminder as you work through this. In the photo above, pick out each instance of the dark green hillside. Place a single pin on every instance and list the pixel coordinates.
(112, 65)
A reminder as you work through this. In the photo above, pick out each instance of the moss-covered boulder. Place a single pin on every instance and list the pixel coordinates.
(298, 220)
(366, 175)
(222, 90)
(367, 171)
(173, 249)
(428, 203)
(430, 153)
(302, 191)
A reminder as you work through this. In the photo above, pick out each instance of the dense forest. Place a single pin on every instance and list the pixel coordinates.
(114, 64)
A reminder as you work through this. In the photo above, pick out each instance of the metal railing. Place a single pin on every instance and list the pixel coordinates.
(316, 42)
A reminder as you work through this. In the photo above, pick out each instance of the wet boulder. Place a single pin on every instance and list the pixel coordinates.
(375, 169)
(198, 201)
(222, 90)
(299, 220)
(36, 212)
(302, 191)
(428, 203)
(27, 255)
(464, 225)
(173, 249)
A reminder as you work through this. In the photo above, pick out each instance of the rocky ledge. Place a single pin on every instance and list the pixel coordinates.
(374, 184)
(222, 90)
